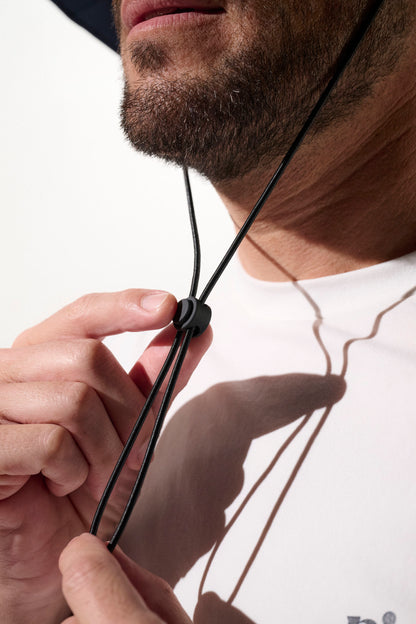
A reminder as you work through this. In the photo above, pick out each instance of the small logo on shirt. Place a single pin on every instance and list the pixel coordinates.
(388, 618)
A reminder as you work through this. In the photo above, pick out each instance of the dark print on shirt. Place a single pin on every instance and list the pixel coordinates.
(388, 618)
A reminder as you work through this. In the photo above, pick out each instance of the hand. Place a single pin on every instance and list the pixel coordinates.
(111, 589)
(66, 409)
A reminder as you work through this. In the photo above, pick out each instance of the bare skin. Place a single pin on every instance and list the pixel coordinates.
(67, 407)
(103, 588)
(348, 199)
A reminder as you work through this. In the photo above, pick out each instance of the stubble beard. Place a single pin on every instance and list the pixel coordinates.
(245, 114)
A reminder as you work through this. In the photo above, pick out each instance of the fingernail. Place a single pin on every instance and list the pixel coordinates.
(153, 302)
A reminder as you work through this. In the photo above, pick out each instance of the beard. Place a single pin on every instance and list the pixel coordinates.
(244, 114)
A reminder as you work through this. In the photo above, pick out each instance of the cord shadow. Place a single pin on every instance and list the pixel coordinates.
(211, 609)
(201, 441)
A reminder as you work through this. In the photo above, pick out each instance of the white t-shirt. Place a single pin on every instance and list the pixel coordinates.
(284, 486)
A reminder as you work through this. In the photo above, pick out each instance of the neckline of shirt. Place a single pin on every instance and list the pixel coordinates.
(371, 288)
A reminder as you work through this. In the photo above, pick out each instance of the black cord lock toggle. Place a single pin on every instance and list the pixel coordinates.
(192, 313)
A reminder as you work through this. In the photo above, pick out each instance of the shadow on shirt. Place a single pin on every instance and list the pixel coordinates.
(198, 471)
(211, 609)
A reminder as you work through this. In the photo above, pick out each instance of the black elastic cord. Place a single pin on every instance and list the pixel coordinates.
(134, 434)
(179, 346)
(177, 349)
(153, 440)
(195, 235)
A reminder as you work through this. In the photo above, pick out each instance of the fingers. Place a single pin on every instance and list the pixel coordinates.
(74, 383)
(78, 409)
(146, 370)
(96, 588)
(87, 362)
(46, 449)
(104, 314)
(90, 363)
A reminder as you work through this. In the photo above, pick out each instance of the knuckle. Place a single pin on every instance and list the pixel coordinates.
(55, 440)
(21, 339)
(129, 297)
(26, 338)
(83, 350)
(164, 590)
(80, 309)
(80, 398)
(7, 360)
(90, 354)
(96, 353)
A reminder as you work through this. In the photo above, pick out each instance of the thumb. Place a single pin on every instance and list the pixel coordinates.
(104, 314)
(156, 592)
(96, 588)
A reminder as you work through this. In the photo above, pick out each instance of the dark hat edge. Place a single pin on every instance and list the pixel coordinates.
(93, 15)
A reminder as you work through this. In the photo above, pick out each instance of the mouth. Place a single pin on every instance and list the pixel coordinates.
(163, 12)
(136, 13)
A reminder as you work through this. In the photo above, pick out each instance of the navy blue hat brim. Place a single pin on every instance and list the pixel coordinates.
(95, 16)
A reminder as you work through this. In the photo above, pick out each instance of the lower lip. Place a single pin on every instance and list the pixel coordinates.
(174, 20)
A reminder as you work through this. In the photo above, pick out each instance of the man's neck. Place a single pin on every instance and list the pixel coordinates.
(348, 199)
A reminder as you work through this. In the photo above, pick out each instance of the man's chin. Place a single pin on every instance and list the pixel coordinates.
(181, 128)
(146, 59)
(221, 125)
(250, 104)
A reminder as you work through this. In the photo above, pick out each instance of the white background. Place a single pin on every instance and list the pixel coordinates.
(80, 210)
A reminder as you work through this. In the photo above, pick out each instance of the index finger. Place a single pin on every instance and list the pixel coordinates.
(103, 314)
(96, 588)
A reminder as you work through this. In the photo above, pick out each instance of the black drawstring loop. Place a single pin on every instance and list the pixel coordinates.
(193, 315)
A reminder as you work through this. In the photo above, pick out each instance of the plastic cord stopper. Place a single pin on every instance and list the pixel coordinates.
(192, 313)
